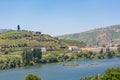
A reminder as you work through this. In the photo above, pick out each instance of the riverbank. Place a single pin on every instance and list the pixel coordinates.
(58, 71)
(15, 60)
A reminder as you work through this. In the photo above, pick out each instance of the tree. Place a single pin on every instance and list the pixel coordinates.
(18, 27)
(104, 45)
(26, 57)
(37, 53)
(108, 49)
(101, 51)
(110, 54)
(118, 48)
(112, 74)
(32, 77)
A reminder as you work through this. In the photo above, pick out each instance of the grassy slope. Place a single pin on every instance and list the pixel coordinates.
(14, 33)
(4, 38)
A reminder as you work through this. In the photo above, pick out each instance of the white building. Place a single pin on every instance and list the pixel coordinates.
(43, 49)
(73, 48)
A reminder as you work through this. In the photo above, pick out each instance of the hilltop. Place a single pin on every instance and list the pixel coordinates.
(109, 36)
(18, 40)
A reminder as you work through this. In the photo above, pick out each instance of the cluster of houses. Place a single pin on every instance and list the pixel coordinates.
(44, 49)
(96, 49)
(75, 48)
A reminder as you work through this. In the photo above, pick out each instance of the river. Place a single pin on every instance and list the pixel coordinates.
(57, 71)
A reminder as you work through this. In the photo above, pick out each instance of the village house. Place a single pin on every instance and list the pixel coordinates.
(86, 49)
(73, 48)
(116, 45)
(113, 48)
(43, 49)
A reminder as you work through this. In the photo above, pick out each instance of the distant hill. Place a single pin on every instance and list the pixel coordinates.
(109, 36)
(4, 30)
(20, 40)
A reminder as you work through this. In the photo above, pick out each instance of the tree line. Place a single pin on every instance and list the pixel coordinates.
(27, 58)
(31, 57)
(35, 56)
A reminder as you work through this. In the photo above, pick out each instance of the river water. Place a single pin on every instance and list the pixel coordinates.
(57, 71)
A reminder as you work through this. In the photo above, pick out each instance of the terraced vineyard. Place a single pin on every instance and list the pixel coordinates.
(20, 40)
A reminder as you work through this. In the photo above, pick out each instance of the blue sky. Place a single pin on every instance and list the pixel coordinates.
(58, 17)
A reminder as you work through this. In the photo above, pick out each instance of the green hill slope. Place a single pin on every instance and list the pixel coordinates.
(97, 37)
(20, 40)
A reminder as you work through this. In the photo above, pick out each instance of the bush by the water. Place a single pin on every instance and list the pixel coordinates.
(32, 77)
(110, 74)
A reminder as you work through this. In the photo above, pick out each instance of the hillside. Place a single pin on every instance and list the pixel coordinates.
(4, 30)
(98, 37)
(20, 40)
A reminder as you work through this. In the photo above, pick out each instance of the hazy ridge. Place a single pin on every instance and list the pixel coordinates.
(4, 30)
(97, 37)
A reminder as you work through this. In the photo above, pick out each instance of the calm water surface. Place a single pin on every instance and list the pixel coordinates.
(60, 72)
